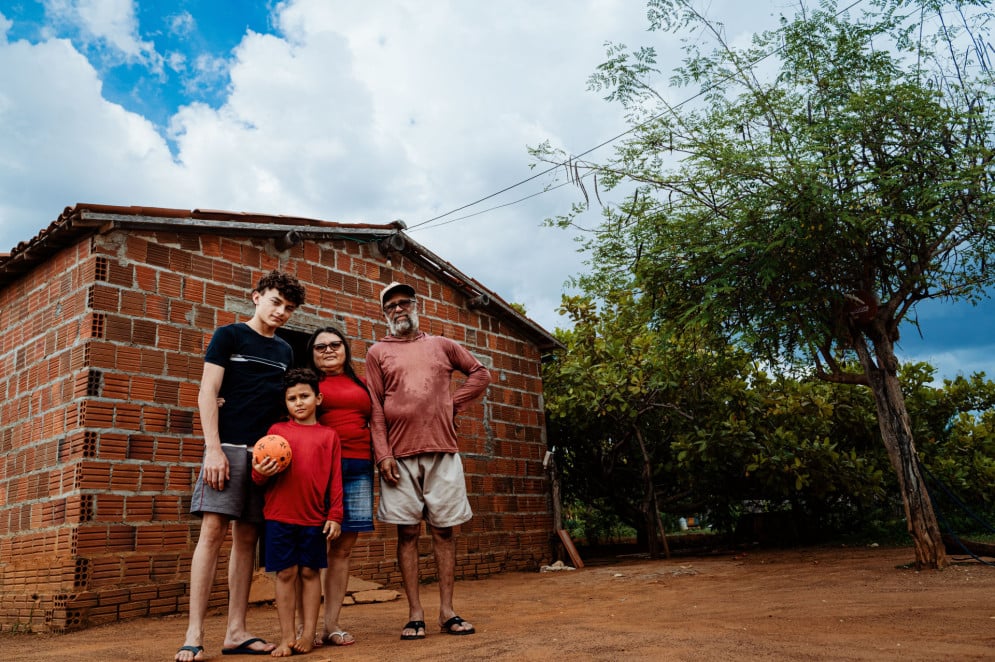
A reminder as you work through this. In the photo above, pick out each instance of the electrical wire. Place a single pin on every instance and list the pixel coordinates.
(489, 209)
(552, 168)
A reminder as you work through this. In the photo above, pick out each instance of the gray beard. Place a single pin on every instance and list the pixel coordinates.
(404, 327)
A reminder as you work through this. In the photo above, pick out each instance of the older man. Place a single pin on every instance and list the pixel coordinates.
(415, 446)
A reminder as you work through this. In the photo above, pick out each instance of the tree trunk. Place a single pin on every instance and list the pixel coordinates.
(654, 525)
(554, 478)
(556, 544)
(653, 541)
(896, 433)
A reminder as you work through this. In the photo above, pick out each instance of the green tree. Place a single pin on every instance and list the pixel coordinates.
(788, 443)
(644, 420)
(606, 385)
(616, 398)
(808, 214)
(955, 427)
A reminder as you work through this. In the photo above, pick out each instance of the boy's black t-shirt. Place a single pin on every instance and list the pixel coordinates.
(252, 387)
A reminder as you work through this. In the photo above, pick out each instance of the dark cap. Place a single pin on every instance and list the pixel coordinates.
(395, 287)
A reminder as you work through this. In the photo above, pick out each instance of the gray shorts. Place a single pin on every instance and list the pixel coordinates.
(241, 499)
(431, 488)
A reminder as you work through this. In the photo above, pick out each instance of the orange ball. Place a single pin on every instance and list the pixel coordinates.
(274, 446)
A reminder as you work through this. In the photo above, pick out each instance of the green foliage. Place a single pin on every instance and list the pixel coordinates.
(617, 397)
(955, 429)
(786, 441)
(595, 524)
(803, 446)
(859, 176)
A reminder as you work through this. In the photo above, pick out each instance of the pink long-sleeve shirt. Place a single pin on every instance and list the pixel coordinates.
(413, 403)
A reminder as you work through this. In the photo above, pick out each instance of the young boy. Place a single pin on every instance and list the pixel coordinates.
(303, 508)
(244, 364)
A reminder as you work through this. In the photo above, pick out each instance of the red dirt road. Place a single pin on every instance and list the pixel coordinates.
(802, 604)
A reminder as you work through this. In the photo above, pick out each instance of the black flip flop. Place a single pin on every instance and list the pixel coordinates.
(414, 625)
(196, 650)
(245, 648)
(447, 627)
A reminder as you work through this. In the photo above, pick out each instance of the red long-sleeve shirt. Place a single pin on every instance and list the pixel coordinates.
(346, 408)
(413, 404)
(309, 491)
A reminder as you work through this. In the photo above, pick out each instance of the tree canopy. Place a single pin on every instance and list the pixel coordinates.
(806, 212)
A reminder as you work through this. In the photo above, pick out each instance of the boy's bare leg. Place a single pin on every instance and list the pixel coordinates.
(203, 565)
(310, 603)
(337, 582)
(286, 599)
(299, 608)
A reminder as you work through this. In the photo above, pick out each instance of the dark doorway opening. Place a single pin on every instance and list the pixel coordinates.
(298, 341)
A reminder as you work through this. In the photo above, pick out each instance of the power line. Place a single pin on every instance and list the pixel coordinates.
(566, 163)
(489, 209)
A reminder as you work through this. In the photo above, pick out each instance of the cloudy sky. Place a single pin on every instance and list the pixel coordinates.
(346, 111)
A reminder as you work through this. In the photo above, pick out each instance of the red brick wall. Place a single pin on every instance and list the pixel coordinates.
(101, 352)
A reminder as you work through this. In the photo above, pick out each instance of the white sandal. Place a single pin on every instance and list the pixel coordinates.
(329, 639)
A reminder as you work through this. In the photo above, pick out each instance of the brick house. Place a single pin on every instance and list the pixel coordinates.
(104, 318)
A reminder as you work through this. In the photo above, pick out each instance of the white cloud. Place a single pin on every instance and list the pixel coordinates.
(176, 61)
(461, 91)
(182, 24)
(63, 143)
(953, 362)
(348, 112)
(205, 73)
(111, 23)
(5, 26)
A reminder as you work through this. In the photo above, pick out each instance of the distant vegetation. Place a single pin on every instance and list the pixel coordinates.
(649, 428)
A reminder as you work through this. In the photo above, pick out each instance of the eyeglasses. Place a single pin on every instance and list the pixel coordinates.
(403, 304)
(322, 347)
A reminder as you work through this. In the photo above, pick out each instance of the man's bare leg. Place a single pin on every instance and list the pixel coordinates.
(407, 559)
(444, 548)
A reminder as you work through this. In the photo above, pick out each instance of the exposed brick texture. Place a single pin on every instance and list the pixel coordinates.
(101, 351)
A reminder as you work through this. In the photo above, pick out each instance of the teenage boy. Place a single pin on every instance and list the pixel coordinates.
(303, 509)
(243, 367)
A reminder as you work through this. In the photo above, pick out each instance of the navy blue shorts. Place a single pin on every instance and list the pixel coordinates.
(357, 495)
(294, 544)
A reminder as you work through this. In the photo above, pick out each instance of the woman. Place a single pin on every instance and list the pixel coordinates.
(345, 408)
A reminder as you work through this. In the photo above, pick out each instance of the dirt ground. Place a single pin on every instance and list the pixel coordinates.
(827, 603)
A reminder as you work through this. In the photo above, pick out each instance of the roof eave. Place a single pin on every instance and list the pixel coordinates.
(78, 222)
